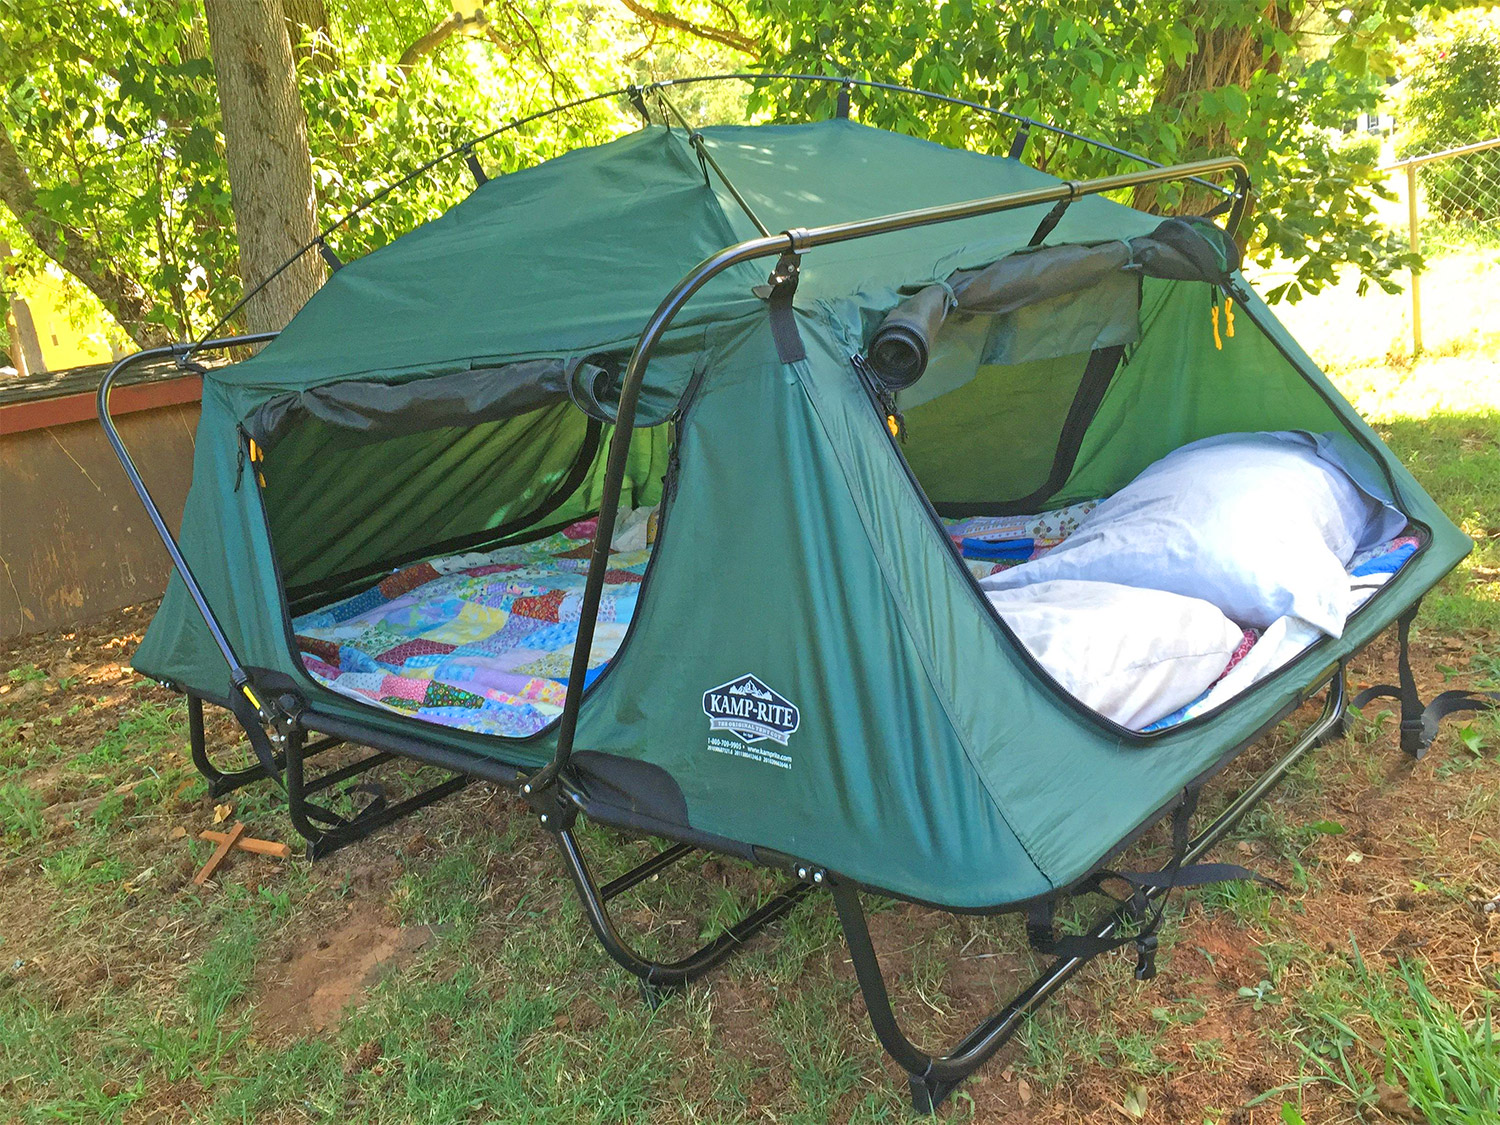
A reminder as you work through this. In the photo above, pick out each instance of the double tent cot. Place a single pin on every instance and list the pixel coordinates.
(817, 553)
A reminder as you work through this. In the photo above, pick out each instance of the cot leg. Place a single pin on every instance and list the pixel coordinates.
(221, 781)
(326, 832)
(933, 1078)
(660, 979)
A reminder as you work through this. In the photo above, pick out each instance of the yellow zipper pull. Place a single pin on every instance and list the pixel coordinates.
(1214, 315)
(1229, 316)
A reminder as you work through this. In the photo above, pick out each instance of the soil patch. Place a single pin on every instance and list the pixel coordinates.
(325, 973)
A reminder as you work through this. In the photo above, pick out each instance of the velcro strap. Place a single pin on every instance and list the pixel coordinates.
(250, 720)
(783, 283)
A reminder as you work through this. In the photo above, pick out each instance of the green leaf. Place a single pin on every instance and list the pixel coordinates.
(1327, 827)
(1470, 737)
(1291, 1115)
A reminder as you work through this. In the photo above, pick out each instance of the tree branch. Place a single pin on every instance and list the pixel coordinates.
(430, 41)
(125, 298)
(724, 36)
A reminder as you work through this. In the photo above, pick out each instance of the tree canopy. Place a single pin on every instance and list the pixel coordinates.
(112, 150)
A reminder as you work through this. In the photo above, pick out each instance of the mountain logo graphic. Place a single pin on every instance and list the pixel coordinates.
(750, 709)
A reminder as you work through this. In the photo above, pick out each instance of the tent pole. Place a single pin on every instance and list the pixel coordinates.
(180, 352)
(794, 242)
(695, 139)
(635, 93)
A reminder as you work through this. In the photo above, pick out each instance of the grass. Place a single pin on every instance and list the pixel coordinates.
(1366, 988)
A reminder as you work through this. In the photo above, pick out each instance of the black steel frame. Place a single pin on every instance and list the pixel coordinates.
(552, 791)
(934, 1077)
(323, 831)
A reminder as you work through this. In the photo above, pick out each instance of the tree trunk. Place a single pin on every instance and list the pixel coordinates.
(1227, 54)
(265, 147)
(124, 296)
(307, 26)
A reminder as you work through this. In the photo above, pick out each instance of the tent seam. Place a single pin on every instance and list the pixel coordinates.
(904, 613)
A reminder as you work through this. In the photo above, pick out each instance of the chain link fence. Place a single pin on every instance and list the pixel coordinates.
(1453, 211)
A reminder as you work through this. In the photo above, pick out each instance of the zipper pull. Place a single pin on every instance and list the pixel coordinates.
(1213, 315)
(674, 460)
(895, 421)
(239, 460)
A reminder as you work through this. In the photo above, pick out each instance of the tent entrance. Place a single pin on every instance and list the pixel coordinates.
(1012, 456)
(438, 572)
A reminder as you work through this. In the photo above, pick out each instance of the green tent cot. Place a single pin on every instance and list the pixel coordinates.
(811, 680)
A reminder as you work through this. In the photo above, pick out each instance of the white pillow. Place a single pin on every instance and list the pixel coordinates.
(1132, 655)
(1258, 524)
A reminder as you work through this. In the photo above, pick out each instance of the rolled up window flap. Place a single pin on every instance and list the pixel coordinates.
(462, 398)
(1184, 249)
(902, 345)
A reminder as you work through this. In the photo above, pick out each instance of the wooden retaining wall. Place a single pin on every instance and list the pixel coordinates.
(74, 540)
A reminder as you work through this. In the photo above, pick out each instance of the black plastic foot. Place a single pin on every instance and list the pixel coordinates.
(929, 1093)
(655, 995)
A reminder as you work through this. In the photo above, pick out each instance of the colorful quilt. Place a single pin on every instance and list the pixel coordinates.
(482, 641)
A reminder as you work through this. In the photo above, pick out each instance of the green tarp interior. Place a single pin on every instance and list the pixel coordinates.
(453, 390)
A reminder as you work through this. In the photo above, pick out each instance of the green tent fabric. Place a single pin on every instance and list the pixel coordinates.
(931, 757)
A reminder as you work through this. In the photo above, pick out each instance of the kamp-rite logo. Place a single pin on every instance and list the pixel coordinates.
(751, 710)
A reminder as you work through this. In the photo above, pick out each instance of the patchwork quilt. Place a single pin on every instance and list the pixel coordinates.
(482, 641)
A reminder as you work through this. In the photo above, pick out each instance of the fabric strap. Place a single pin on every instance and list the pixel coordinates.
(250, 720)
(1419, 721)
(783, 283)
(1138, 904)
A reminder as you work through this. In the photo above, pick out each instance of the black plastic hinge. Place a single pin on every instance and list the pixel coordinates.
(841, 108)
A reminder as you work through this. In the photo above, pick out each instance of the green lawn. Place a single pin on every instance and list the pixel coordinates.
(441, 971)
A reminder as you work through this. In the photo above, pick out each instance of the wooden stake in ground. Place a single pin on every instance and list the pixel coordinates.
(250, 844)
(231, 838)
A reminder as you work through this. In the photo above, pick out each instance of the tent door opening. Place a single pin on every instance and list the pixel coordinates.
(445, 589)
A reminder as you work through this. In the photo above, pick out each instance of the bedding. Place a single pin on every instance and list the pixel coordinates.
(1133, 655)
(1261, 525)
(483, 640)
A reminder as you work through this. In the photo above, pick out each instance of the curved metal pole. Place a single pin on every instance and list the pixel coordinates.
(181, 352)
(932, 95)
(795, 242)
(671, 974)
(636, 89)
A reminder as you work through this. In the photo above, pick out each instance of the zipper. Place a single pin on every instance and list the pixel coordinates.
(895, 421)
(674, 442)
